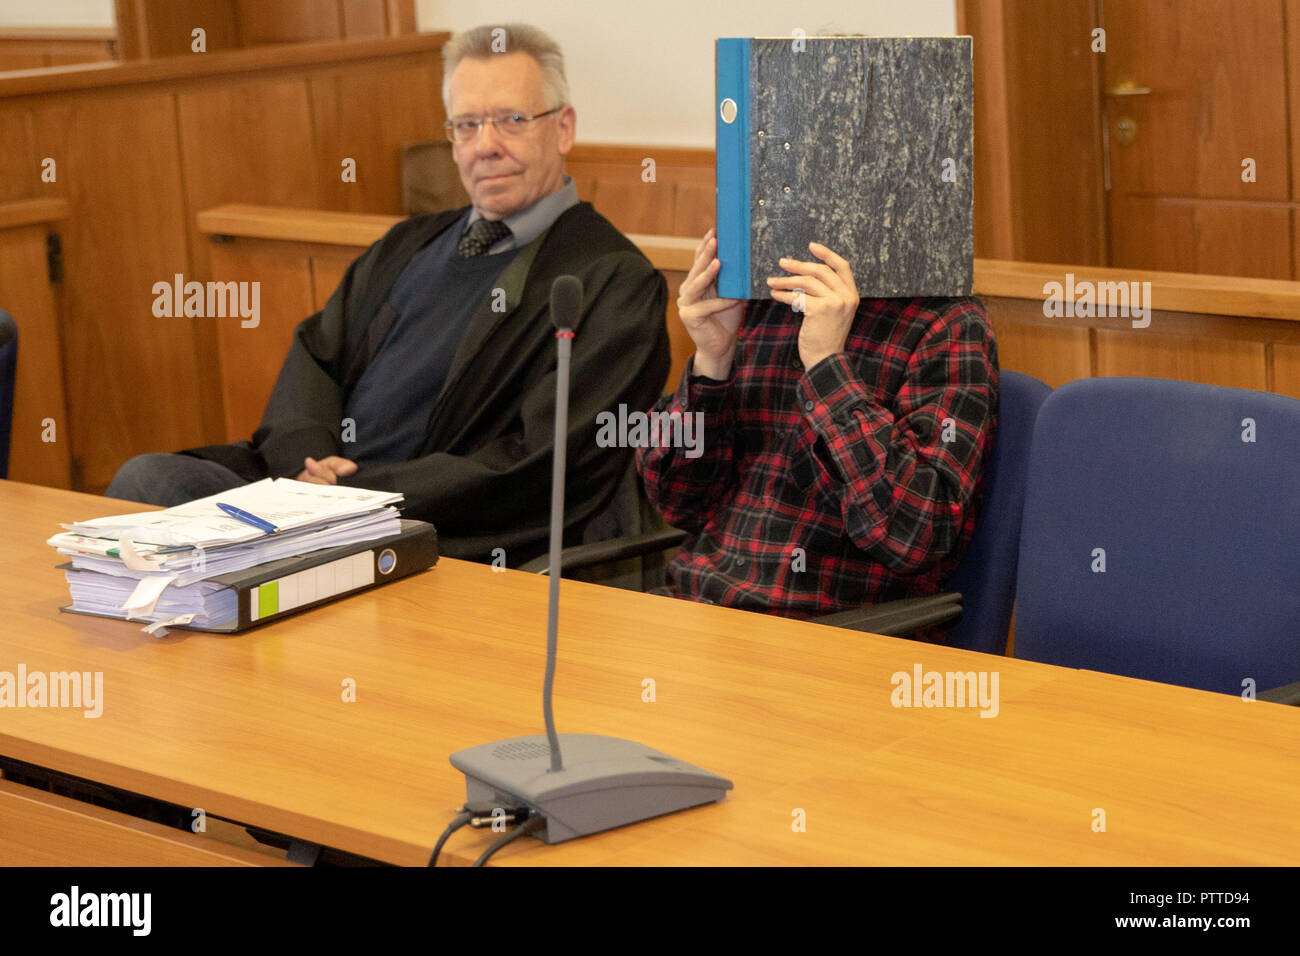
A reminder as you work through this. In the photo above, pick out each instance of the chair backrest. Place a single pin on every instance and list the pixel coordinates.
(8, 372)
(1161, 534)
(430, 179)
(987, 575)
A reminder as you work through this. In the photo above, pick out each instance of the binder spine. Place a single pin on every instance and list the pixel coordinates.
(308, 587)
(733, 201)
(321, 581)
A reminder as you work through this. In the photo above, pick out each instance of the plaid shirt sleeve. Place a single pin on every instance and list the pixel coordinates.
(687, 490)
(905, 470)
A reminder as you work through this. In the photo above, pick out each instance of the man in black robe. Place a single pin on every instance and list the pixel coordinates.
(431, 369)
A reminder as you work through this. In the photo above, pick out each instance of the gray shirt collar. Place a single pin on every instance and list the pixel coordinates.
(527, 224)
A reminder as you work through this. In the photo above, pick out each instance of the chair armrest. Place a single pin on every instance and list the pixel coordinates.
(1286, 694)
(897, 618)
(600, 552)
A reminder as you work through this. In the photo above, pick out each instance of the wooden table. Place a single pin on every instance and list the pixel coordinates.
(254, 727)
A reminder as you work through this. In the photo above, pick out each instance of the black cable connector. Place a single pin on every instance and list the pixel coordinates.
(496, 816)
(482, 814)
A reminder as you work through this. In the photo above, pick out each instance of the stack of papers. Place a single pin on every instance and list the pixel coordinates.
(154, 565)
(205, 603)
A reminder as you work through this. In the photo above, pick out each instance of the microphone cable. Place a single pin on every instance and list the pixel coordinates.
(528, 826)
(482, 814)
(462, 818)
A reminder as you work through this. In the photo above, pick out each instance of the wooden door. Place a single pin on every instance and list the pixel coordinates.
(1195, 103)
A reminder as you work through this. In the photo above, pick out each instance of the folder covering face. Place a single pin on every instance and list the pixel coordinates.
(863, 144)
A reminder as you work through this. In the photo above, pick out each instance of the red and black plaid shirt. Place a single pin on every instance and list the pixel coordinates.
(846, 484)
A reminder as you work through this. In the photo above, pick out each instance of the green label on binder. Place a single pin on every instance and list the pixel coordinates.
(268, 599)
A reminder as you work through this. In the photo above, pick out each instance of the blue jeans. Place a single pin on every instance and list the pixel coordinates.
(165, 479)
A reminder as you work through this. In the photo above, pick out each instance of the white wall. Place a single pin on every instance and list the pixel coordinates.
(56, 13)
(641, 71)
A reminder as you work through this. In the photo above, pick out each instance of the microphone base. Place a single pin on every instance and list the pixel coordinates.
(606, 782)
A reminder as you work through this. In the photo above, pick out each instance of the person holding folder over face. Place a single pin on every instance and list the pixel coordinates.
(845, 440)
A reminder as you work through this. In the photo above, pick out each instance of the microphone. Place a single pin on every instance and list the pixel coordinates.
(610, 782)
(566, 307)
(566, 303)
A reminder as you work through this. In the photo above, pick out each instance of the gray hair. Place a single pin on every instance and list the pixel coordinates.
(481, 43)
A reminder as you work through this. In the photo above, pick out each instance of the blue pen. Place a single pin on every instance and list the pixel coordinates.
(244, 516)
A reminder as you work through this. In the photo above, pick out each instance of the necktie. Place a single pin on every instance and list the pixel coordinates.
(480, 237)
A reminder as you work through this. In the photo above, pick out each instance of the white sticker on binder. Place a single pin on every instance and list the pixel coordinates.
(314, 584)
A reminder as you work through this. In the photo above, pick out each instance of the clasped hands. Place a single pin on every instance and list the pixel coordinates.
(327, 471)
(823, 291)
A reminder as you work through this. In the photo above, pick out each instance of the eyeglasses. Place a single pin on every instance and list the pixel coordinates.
(512, 125)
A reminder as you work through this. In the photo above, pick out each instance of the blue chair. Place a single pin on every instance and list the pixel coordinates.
(986, 578)
(8, 371)
(1196, 526)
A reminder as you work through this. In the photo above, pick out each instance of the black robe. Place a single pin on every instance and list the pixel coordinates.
(483, 475)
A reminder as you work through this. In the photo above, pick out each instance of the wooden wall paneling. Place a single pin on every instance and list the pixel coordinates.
(1210, 237)
(694, 206)
(1213, 361)
(1056, 160)
(164, 27)
(136, 383)
(289, 21)
(227, 158)
(677, 163)
(1284, 369)
(636, 207)
(1200, 295)
(985, 22)
(366, 113)
(1054, 354)
(680, 201)
(128, 16)
(307, 21)
(250, 358)
(20, 167)
(399, 17)
(1291, 15)
(625, 164)
(364, 18)
(21, 59)
(39, 388)
(139, 147)
(586, 186)
(329, 228)
(29, 48)
(88, 52)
